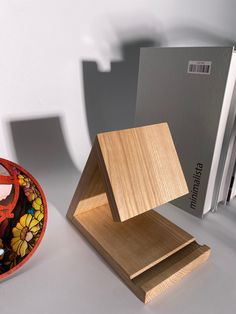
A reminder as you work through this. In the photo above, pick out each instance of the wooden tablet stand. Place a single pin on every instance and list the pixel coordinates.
(128, 173)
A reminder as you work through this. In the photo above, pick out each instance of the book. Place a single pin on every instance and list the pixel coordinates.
(191, 88)
(232, 188)
(227, 189)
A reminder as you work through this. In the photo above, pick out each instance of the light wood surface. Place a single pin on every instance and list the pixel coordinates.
(136, 244)
(128, 173)
(152, 279)
(133, 170)
(141, 169)
(171, 270)
(90, 192)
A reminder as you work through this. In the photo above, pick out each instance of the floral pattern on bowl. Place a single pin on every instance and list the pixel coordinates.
(23, 216)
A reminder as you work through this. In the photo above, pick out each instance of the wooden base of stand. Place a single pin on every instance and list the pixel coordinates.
(128, 173)
(149, 252)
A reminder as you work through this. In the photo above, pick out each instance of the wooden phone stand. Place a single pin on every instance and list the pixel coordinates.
(128, 173)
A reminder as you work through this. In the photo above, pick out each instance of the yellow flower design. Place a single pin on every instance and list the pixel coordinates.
(24, 181)
(23, 233)
(38, 215)
(38, 205)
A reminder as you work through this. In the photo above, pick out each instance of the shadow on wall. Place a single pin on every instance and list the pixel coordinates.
(40, 147)
(110, 97)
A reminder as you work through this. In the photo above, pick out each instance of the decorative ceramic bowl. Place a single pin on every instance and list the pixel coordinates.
(23, 216)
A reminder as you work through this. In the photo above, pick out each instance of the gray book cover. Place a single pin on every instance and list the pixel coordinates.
(190, 88)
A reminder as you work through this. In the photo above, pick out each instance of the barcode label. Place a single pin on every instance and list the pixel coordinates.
(199, 67)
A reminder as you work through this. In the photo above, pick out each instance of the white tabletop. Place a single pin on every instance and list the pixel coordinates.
(66, 275)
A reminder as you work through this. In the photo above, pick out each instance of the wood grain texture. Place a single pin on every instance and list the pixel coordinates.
(128, 173)
(90, 192)
(168, 272)
(154, 279)
(133, 170)
(141, 169)
(136, 244)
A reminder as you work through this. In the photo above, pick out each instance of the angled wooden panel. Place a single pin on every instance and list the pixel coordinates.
(136, 244)
(140, 168)
(90, 192)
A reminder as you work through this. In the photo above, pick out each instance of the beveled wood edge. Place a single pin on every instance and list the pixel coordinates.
(94, 153)
(144, 296)
(76, 221)
(106, 181)
(149, 266)
(74, 204)
(184, 271)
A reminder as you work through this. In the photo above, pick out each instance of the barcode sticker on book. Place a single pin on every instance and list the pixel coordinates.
(199, 67)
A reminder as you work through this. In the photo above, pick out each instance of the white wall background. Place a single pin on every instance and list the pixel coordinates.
(43, 42)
